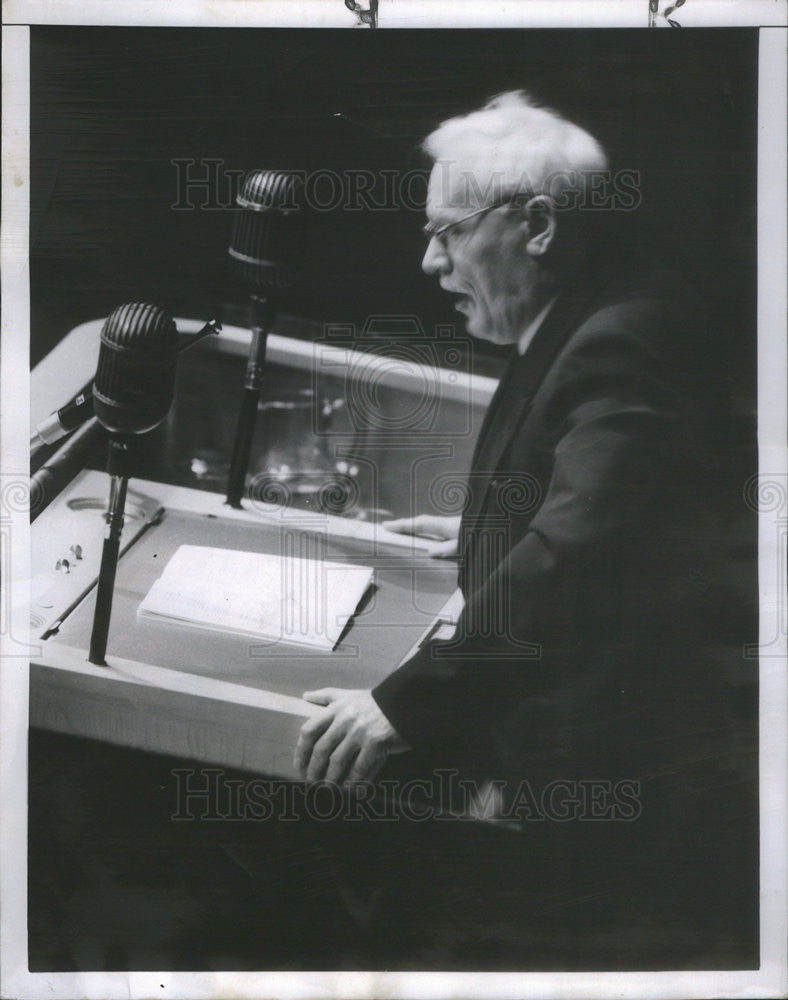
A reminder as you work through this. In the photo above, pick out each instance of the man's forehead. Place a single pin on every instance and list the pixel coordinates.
(463, 185)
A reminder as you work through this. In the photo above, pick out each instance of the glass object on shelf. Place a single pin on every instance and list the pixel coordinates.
(295, 466)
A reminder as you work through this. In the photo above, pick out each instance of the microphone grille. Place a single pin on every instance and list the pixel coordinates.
(136, 322)
(268, 231)
(272, 190)
(135, 376)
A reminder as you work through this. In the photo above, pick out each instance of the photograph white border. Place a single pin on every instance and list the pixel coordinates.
(399, 13)
(15, 982)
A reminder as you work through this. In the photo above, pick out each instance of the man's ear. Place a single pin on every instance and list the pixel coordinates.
(542, 224)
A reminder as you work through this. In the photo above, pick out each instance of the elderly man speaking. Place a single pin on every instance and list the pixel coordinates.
(597, 641)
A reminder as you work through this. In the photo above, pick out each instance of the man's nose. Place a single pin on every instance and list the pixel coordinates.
(435, 258)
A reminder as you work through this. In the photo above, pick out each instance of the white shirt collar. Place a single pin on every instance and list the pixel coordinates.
(529, 332)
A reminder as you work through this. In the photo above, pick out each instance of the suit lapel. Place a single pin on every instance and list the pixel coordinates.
(520, 382)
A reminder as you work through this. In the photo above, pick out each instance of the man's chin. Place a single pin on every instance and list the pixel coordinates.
(472, 324)
(478, 326)
(479, 330)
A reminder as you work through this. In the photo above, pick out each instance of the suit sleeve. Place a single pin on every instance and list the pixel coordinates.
(610, 418)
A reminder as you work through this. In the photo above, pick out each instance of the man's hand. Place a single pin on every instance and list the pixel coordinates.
(349, 741)
(443, 529)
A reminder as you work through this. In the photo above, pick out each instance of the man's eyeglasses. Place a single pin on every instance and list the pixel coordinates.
(439, 232)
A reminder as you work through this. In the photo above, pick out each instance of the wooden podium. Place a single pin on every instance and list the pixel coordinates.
(207, 696)
(214, 698)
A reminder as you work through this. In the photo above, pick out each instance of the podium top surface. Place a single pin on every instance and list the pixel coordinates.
(410, 589)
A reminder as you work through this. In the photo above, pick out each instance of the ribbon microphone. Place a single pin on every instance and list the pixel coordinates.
(267, 245)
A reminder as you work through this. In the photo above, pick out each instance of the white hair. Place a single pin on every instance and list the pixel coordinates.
(513, 145)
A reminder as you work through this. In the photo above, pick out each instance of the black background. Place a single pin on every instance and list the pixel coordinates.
(111, 108)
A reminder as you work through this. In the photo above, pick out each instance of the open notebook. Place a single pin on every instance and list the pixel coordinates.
(303, 601)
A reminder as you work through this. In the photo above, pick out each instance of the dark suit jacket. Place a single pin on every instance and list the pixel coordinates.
(609, 585)
(601, 636)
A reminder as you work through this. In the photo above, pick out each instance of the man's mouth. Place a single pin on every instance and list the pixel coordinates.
(462, 300)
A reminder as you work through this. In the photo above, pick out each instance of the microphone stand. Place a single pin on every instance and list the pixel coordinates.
(262, 311)
(117, 467)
